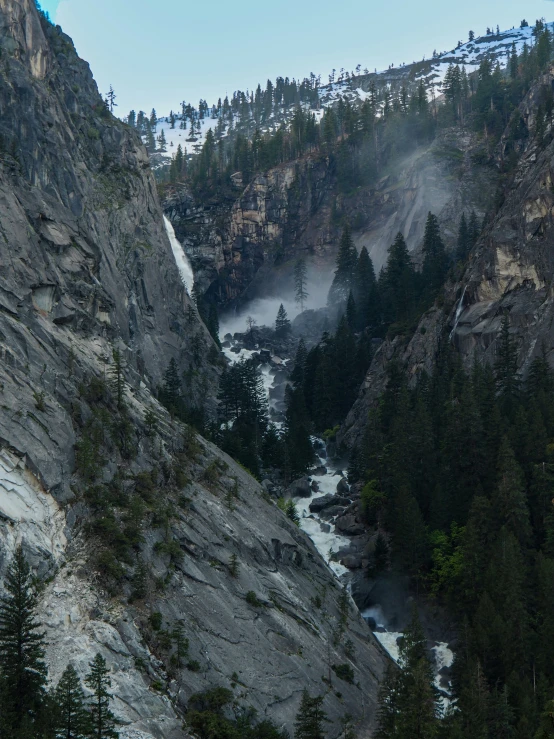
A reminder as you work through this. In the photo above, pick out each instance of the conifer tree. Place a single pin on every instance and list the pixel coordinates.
(170, 394)
(110, 99)
(397, 282)
(505, 367)
(434, 256)
(351, 312)
(365, 291)
(419, 701)
(510, 501)
(72, 719)
(343, 280)
(310, 718)
(22, 667)
(300, 282)
(282, 323)
(117, 378)
(389, 700)
(103, 721)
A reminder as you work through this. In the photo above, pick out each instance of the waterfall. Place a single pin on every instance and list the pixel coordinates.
(181, 259)
(459, 310)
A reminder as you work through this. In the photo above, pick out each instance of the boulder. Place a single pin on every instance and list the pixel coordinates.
(319, 504)
(349, 526)
(300, 488)
(352, 561)
(331, 512)
(343, 486)
(325, 527)
(315, 486)
(320, 471)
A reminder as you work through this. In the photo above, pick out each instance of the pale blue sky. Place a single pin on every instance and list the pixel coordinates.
(157, 54)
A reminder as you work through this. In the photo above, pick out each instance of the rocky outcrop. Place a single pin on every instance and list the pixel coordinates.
(244, 245)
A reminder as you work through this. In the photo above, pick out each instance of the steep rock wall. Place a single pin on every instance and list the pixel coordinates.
(509, 273)
(242, 245)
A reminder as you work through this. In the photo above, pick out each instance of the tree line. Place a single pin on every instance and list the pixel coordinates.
(361, 140)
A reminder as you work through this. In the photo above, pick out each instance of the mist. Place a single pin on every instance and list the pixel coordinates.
(264, 310)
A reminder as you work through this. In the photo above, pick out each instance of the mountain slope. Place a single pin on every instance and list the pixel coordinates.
(509, 273)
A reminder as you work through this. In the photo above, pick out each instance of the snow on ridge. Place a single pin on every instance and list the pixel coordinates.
(469, 54)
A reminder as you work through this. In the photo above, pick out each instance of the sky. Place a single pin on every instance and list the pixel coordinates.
(158, 54)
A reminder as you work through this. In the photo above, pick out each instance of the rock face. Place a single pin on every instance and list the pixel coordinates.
(86, 267)
(244, 244)
(510, 273)
(85, 261)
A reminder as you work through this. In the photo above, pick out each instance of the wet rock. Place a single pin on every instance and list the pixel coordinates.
(371, 622)
(300, 488)
(326, 501)
(315, 486)
(319, 504)
(343, 486)
(352, 561)
(332, 511)
(228, 337)
(325, 527)
(349, 525)
(320, 471)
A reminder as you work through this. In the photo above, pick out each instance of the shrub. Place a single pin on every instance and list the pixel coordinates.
(344, 672)
(252, 599)
(156, 620)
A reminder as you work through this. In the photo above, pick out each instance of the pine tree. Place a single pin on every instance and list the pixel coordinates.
(419, 700)
(397, 283)
(181, 645)
(351, 312)
(434, 256)
(170, 394)
(22, 668)
(110, 99)
(300, 282)
(510, 501)
(117, 378)
(343, 280)
(505, 367)
(310, 718)
(71, 716)
(102, 719)
(388, 714)
(365, 291)
(298, 373)
(162, 142)
(282, 323)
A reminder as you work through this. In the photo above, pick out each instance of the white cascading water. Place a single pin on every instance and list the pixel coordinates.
(328, 542)
(459, 310)
(181, 259)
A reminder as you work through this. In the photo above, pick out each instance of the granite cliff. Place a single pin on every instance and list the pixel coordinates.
(132, 521)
